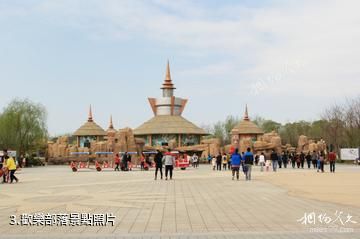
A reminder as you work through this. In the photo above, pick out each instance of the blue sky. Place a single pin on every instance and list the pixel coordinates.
(288, 60)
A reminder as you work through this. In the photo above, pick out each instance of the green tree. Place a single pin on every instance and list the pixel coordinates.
(219, 132)
(269, 126)
(23, 126)
(229, 124)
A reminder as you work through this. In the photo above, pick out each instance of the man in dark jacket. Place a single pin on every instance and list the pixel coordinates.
(308, 159)
(218, 162)
(274, 160)
(158, 164)
(279, 160)
(284, 158)
(302, 159)
(124, 161)
(314, 158)
(249, 161)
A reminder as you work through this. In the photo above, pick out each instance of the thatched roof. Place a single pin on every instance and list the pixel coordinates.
(168, 124)
(247, 127)
(90, 128)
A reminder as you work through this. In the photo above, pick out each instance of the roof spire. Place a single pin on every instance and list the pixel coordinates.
(168, 76)
(246, 115)
(111, 126)
(168, 83)
(90, 118)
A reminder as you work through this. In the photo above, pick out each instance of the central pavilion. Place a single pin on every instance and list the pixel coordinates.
(168, 125)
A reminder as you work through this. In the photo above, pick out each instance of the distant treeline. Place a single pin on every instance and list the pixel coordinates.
(338, 125)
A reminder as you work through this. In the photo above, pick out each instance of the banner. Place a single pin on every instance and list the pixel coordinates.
(349, 154)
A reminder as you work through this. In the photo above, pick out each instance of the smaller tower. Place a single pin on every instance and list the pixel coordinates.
(168, 104)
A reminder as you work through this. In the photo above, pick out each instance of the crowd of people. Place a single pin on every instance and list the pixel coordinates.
(273, 161)
(235, 162)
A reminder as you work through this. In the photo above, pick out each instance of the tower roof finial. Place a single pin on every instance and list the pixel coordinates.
(246, 115)
(111, 126)
(168, 83)
(90, 117)
(168, 76)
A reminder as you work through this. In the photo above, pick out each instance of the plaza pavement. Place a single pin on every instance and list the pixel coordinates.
(198, 203)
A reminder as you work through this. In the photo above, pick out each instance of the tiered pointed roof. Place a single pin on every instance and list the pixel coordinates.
(90, 128)
(246, 126)
(111, 128)
(168, 82)
(168, 124)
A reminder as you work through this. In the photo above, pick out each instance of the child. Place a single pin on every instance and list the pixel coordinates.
(267, 164)
(213, 161)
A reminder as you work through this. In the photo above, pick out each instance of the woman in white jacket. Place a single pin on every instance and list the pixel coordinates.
(262, 162)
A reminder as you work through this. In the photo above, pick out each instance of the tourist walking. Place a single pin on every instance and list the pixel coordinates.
(274, 160)
(293, 159)
(142, 161)
(224, 161)
(11, 165)
(124, 161)
(195, 160)
(249, 161)
(332, 159)
(284, 158)
(229, 161)
(209, 158)
(235, 164)
(256, 159)
(169, 160)
(262, 161)
(267, 164)
(308, 159)
(213, 162)
(298, 160)
(279, 160)
(314, 159)
(321, 161)
(3, 167)
(218, 162)
(302, 159)
(117, 162)
(158, 164)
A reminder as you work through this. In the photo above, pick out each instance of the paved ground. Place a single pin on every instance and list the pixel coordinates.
(198, 203)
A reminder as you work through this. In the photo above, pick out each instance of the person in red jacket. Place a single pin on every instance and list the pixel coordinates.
(117, 162)
(332, 159)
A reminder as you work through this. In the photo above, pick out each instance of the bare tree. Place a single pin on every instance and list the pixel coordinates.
(335, 129)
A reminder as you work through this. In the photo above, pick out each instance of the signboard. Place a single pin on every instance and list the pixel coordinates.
(349, 154)
(128, 152)
(103, 152)
(79, 153)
